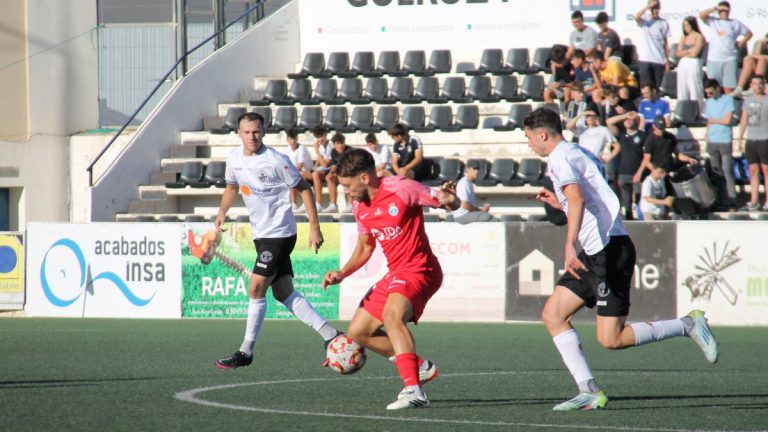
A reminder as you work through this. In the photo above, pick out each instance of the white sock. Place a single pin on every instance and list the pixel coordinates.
(304, 311)
(647, 332)
(257, 310)
(569, 345)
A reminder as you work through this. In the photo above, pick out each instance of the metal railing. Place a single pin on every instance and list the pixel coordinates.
(257, 8)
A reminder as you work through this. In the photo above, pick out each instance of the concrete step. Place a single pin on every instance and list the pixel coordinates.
(153, 206)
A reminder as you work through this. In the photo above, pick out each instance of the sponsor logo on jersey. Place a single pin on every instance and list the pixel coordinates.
(386, 233)
(363, 216)
(393, 210)
(266, 256)
(378, 212)
(263, 176)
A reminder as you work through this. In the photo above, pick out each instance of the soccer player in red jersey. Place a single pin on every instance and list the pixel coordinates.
(389, 210)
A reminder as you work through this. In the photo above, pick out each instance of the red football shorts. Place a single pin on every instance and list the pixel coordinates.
(418, 288)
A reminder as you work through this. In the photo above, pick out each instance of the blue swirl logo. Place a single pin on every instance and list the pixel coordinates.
(84, 284)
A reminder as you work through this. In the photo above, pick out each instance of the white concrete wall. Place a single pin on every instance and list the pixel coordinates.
(269, 48)
(62, 99)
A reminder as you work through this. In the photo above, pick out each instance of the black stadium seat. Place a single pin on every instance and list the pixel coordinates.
(506, 89)
(326, 91)
(386, 117)
(168, 218)
(311, 117)
(313, 65)
(266, 113)
(377, 90)
(427, 88)
(336, 118)
(351, 89)
(531, 171)
(415, 62)
(214, 173)
(687, 113)
(450, 170)
(389, 64)
(502, 171)
(479, 88)
(550, 106)
(360, 119)
(669, 84)
(191, 172)
(517, 113)
(518, 60)
(673, 58)
(629, 56)
(453, 90)
(540, 62)
(533, 87)
(300, 90)
(276, 90)
(338, 63)
(413, 117)
(441, 117)
(467, 117)
(440, 61)
(285, 118)
(362, 62)
(402, 89)
(491, 61)
(194, 218)
(230, 121)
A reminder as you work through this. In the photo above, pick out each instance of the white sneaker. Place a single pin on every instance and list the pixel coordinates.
(737, 92)
(409, 398)
(427, 372)
(348, 208)
(702, 335)
(300, 209)
(330, 209)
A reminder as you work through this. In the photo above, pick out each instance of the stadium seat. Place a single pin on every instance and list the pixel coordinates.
(738, 106)
(440, 62)
(377, 90)
(739, 216)
(338, 63)
(518, 60)
(285, 118)
(467, 117)
(441, 117)
(427, 88)
(553, 106)
(389, 64)
(431, 217)
(168, 218)
(230, 121)
(629, 56)
(503, 170)
(360, 119)
(491, 61)
(453, 90)
(413, 118)
(336, 118)
(533, 87)
(313, 64)
(687, 113)
(479, 88)
(299, 91)
(310, 118)
(415, 62)
(517, 113)
(669, 84)
(242, 218)
(276, 90)
(266, 113)
(191, 173)
(386, 117)
(704, 53)
(326, 91)
(301, 218)
(450, 170)
(141, 218)
(402, 89)
(511, 218)
(347, 217)
(505, 88)
(362, 62)
(215, 172)
(673, 58)
(540, 62)
(351, 89)
(531, 171)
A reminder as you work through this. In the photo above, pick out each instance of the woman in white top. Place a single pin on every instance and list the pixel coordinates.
(300, 157)
(689, 75)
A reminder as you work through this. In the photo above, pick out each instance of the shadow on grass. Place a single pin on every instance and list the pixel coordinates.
(66, 382)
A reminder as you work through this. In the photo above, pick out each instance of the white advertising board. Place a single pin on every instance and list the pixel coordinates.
(473, 259)
(722, 270)
(466, 27)
(108, 270)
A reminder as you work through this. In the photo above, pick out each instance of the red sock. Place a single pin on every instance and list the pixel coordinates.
(407, 366)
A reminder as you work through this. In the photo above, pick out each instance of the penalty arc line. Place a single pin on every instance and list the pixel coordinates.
(191, 397)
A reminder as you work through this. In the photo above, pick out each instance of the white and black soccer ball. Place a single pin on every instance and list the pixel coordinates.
(345, 356)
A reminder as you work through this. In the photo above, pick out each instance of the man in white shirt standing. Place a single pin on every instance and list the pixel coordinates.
(465, 189)
(382, 156)
(263, 177)
(724, 44)
(653, 49)
(302, 160)
(601, 274)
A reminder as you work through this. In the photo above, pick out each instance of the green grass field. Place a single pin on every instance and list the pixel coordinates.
(114, 375)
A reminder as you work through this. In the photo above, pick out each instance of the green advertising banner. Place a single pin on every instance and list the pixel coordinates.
(215, 276)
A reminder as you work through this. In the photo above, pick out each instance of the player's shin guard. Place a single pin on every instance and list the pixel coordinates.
(408, 368)
(304, 311)
(568, 344)
(647, 332)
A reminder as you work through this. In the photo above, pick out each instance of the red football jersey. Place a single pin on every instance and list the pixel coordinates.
(395, 218)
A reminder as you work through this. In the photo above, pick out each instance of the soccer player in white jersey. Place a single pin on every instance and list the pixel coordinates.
(599, 275)
(264, 176)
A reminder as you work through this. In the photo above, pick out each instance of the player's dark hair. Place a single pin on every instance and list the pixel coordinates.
(371, 138)
(579, 53)
(398, 129)
(355, 161)
(601, 18)
(251, 116)
(648, 83)
(757, 76)
(544, 118)
(724, 3)
(319, 131)
(597, 55)
(711, 83)
(292, 133)
(557, 55)
(577, 15)
(338, 137)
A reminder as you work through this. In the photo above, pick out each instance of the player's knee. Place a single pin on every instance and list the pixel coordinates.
(359, 334)
(610, 342)
(549, 316)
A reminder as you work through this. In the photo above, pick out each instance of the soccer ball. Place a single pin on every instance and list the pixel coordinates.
(345, 356)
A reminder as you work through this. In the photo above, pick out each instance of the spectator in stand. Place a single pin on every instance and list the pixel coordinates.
(581, 70)
(575, 110)
(726, 37)
(653, 49)
(655, 202)
(329, 175)
(689, 50)
(719, 114)
(754, 121)
(651, 107)
(302, 160)
(660, 150)
(608, 41)
(562, 74)
(615, 73)
(631, 139)
(382, 156)
(465, 190)
(407, 154)
(582, 37)
(598, 139)
(753, 64)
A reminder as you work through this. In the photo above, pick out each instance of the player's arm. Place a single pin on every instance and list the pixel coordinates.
(366, 244)
(308, 198)
(447, 197)
(575, 199)
(227, 199)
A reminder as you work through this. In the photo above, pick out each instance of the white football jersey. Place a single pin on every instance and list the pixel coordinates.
(264, 180)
